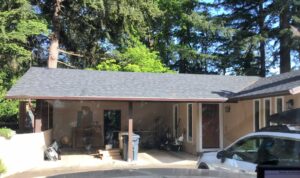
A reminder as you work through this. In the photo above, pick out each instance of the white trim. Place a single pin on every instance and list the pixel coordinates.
(221, 125)
(220, 129)
(283, 104)
(264, 110)
(188, 139)
(175, 106)
(294, 90)
(200, 129)
(259, 113)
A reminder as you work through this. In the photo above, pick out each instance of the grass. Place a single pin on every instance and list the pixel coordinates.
(2, 167)
(6, 133)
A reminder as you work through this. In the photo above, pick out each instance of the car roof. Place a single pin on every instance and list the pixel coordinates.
(275, 134)
(295, 136)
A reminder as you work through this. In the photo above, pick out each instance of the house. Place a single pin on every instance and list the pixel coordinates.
(210, 111)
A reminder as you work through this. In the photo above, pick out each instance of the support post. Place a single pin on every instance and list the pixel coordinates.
(130, 133)
(22, 116)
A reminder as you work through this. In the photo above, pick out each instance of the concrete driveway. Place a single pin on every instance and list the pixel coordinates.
(72, 163)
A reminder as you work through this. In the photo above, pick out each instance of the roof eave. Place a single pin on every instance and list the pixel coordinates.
(265, 95)
(295, 90)
(100, 98)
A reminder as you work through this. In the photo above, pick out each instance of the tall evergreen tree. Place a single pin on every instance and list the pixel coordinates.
(247, 47)
(19, 24)
(256, 24)
(91, 28)
(184, 36)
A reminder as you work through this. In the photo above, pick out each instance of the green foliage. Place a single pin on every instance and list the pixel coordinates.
(6, 133)
(93, 27)
(109, 65)
(18, 23)
(2, 167)
(134, 59)
(8, 108)
(185, 36)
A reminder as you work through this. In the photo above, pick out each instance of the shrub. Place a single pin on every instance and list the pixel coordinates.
(2, 167)
(6, 133)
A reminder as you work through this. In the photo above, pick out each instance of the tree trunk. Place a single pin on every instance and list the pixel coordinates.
(54, 46)
(262, 44)
(285, 50)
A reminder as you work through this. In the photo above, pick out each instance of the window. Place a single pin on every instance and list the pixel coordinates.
(267, 111)
(256, 114)
(279, 104)
(175, 120)
(245, 150)
(262, 150)
(190, 122)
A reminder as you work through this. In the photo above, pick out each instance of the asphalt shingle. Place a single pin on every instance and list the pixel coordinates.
(271, 86)
(41, 83)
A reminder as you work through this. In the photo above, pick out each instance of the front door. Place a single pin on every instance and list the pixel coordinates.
(210, 126)
(112, 127)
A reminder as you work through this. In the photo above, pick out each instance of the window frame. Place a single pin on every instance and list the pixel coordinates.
(188, 137)
(264, 124)
(259, 114)
(174, 123)
(283, 105)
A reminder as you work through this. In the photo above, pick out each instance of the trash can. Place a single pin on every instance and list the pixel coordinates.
(135, 145)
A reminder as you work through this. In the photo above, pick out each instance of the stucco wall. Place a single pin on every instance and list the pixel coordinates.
(144, 115)
(189, 146)
(240, 120)
(296, 99)
(24, 151)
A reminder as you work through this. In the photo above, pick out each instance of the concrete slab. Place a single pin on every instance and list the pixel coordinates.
(89, 162)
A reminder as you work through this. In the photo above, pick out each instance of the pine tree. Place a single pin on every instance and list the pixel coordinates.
(19, 24)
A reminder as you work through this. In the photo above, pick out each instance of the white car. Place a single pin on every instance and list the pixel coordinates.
(264, 148)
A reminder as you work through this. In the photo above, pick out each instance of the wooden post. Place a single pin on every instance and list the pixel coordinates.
(22, 116)
(130, 133)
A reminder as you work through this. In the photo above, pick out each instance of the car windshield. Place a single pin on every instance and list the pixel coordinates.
(267, 150)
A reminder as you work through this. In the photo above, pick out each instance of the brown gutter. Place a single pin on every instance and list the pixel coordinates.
(265, 95)
(117, 98)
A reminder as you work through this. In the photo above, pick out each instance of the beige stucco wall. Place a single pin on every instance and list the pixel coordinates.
(240, 120)
(236, 123)
(24, 151)
(296, 99)
(144, 115)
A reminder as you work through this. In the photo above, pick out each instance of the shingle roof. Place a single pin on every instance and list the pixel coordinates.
(285, 83)
(44, 83)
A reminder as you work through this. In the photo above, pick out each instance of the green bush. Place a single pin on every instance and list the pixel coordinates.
(2, 167)
(6, 132)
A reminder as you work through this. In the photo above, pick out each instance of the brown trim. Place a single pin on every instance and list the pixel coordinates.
(266, 95)
(118, 99)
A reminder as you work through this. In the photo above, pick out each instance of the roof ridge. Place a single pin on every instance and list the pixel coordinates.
(150, 73)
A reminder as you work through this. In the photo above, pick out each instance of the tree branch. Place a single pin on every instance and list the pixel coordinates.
(68, 65)
(70, 53)
(295, 31)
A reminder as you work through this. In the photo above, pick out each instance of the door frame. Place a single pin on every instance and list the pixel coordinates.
(221, 138)
(103, 124)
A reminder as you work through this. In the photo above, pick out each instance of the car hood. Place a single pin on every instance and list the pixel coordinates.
(155, 173)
